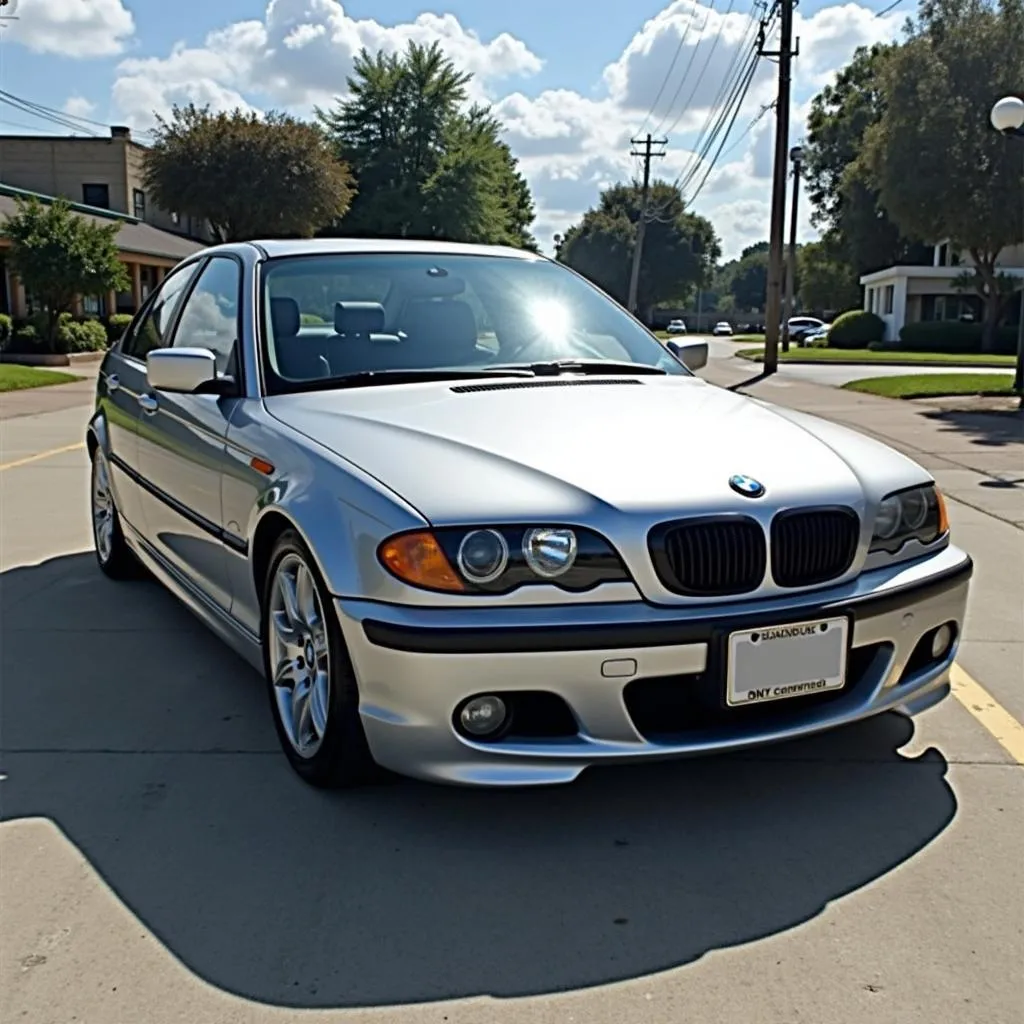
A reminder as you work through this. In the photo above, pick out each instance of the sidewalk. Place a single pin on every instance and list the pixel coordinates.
(976, 457)
(54, 398)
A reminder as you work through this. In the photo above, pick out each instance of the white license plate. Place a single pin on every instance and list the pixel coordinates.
(793, 660)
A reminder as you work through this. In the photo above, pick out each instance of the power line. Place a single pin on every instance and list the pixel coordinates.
(686, 73)
(882, 13)
(43, 113)
(668, 74)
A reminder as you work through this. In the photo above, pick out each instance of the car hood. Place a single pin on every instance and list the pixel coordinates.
(574, 449)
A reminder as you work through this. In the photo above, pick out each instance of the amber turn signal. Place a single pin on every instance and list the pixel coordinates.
(418, 559)
(943, 515)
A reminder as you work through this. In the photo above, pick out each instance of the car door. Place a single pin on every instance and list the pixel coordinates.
(123, 381)
(182, 450)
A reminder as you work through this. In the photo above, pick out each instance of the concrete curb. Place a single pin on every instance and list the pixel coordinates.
(52, 359)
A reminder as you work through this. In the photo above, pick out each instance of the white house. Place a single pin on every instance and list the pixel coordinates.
(902, 295)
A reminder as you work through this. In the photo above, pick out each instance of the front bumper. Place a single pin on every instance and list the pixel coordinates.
(640, 681)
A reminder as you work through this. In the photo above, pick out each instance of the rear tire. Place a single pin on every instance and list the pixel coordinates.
(113, 555)
(314, 696)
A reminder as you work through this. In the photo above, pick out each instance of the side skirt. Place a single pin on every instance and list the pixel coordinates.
(233, 633)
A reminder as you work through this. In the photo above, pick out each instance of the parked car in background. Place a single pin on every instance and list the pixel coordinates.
(800, 326)
(722, 329)
(436, 494)
(676, 327)
(815, 334)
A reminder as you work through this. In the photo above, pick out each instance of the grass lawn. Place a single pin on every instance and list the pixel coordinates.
(19, 378)
(893, 358)
(935, 385)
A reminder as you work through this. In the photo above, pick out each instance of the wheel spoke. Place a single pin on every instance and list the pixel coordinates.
(318, 703)
(287, 674)
(305, 598)
(302, 715)
(287, 585)
(285, 633)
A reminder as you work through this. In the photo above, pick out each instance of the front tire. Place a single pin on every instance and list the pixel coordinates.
(314, 696)
(115, 558)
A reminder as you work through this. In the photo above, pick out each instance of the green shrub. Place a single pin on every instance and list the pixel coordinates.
(117, 324)
(952, 336)
(311, 320)
(79, 335)
(6, 329)
(24, 340)
(856, 328)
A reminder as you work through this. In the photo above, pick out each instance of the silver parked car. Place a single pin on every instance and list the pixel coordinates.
(475, 524)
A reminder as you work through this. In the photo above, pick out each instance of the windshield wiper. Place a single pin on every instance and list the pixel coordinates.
(586, 366)
(369, 378)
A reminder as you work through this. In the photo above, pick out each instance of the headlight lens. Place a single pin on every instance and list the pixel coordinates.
(918, 513)
(549, 552)
(483, 556)
(500, 559)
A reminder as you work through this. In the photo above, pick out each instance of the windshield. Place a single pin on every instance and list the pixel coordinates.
(333, 316)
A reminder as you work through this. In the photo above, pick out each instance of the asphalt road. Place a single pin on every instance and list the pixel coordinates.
(834, 375)
(161, 863)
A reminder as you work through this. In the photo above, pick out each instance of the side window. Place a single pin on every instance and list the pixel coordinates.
(151, 331)
(210, 316)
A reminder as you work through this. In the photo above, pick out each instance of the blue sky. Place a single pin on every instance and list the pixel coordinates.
(572, 79)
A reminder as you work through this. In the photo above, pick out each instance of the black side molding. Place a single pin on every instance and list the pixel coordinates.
(545, 639)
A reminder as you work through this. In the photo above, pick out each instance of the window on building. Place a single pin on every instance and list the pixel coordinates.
(96, 195)
(175, 219)
(890, 295)
(871, 300)
(139, 203)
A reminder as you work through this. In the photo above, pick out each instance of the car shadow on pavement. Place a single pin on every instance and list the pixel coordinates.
(151, 746)
(995, 429)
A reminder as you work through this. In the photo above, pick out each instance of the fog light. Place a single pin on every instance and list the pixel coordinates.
(482, 716)
(941, 639)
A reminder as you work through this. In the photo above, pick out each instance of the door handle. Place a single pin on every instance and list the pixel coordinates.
(113, 382)
(149, 403)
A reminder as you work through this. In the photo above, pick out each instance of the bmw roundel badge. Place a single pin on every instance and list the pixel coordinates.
(746, 485)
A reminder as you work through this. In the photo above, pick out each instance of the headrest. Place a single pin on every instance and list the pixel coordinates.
(358, 317)
(284, 317)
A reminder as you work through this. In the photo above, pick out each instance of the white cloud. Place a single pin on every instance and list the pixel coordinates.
(299, 55)
(78, 106)
(571, 143)
(73, 28)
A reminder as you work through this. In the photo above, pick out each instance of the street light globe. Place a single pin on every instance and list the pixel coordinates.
(1008, 114)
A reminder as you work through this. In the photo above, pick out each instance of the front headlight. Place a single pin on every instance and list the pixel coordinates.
(499, 559)
(917, 513)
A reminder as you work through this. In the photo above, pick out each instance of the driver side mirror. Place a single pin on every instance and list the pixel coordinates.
(692, 354)
(184, 371)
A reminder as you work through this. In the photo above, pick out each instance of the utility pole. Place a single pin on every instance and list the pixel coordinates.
(776, 240)
(796, 154)
(648, 154)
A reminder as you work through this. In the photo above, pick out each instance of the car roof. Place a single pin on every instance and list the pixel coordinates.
(276, 247)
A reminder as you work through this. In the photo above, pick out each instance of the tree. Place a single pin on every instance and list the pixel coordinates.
(680, 248)
(746, 279)
(941, 171)
(846, 204)
(249, 176)
(827, 282)
(60, 255)
(426, 167)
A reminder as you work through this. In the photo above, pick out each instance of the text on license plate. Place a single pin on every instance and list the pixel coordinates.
(792, 660)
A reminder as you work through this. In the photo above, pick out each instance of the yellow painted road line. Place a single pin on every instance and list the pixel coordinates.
(41, 455)
(1008, 732)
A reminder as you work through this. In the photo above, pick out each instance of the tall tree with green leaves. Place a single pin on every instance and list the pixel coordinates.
(426, 165)
(941, 170)
(827, 281)
(846, 203)
(745, 280)
(680, 248)
(248, 176)
(60, 255)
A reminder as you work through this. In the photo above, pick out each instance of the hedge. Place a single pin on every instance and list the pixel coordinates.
(80, 336)
(952, 336)
(856, 328)
(6, 329)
